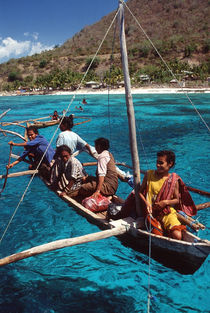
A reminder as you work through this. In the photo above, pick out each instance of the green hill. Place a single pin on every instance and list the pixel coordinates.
(178, 29)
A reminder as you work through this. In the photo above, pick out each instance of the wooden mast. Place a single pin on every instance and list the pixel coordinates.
(130, 109)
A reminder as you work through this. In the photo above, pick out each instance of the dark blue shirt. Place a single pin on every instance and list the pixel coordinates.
(38, 146)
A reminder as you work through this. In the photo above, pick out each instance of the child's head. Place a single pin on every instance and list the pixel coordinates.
(169, 155)
(101, 144)
(67, 123)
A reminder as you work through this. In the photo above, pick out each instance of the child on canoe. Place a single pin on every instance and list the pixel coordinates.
(162, 193)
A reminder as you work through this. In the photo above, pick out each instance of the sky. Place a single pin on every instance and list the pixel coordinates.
(28, 27)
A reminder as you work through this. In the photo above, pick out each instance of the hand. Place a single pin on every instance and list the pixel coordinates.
(62, 194)
(9, 166)
(96, 194)
(161, 204)
(11, 143)
(149, 209)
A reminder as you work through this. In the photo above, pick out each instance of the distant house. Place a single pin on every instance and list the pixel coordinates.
(144, 78)
(92, 84)
(174, 81)
(121, 84)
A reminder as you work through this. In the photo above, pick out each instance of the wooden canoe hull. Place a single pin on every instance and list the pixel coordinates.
(45, 124)
(184, 256)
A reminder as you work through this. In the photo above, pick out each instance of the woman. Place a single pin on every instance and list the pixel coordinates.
(106, 180)
(67, 173)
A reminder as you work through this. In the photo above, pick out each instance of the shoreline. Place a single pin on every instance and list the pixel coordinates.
(117, 91)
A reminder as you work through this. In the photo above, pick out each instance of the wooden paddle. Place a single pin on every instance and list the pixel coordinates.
(6, 176)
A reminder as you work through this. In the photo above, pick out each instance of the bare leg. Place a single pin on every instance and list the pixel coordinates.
(176, 234)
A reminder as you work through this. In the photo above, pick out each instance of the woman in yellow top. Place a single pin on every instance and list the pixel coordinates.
(161, 198)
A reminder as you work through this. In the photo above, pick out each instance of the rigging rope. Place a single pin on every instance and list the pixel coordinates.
(73, 97)
(167, 66)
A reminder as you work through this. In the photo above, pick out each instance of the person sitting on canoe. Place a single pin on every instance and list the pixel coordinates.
(106, 180)
(162, 193)
(67, 173)
(55, 116)
(35, 149)
(71, 139)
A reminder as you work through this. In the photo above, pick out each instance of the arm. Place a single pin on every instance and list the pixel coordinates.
(170, 202)
(99, 186)
(68, 187)
(142, 188)
(93, 154)
(22, 144)
(14, 163)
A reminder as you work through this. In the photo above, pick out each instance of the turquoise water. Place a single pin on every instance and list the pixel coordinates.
(102, 276)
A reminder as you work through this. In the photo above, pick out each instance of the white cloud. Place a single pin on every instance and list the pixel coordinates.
(11, 48)
(34, 35)
(38, 47)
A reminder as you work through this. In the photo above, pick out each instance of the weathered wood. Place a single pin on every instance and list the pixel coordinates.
(17, 174)
(63, 243)
(6, 176)
(14, 156)
(12, 123)
(11, 132)
(130, 109)
(82, 122)
(201, 192)
(203, 206)
(187, 220)
(4, 113)
(32, 120)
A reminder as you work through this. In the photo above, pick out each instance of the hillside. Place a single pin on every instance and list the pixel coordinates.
(178, 29)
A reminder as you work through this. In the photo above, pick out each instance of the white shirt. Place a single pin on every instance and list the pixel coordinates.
(103, 160)
(70, 139)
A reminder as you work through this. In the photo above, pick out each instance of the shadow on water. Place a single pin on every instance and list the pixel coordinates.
(61, 295)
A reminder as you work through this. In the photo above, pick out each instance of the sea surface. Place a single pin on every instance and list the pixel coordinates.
(103, 276)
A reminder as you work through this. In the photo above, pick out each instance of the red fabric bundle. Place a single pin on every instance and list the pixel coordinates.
(97, 204)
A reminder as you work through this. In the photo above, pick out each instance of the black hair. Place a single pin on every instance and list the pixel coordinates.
(103, 143)
(33, 128)
(170, 156)
(61, 149)
(68, 122)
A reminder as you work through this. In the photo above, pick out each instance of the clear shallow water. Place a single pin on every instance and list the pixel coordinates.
(102, 276)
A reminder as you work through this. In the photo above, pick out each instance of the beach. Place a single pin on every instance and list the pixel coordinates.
(102, 91)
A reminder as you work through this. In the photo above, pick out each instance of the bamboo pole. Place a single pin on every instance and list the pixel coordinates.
(130, 109)
(17, 174)
(32, 120)
(203, 206)
(187, 220)
(82, 122)
(205, 193)
(63, 243)
(14, 156)
(12, 123)
(201, 192)
(11, 132)
(4, 113)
